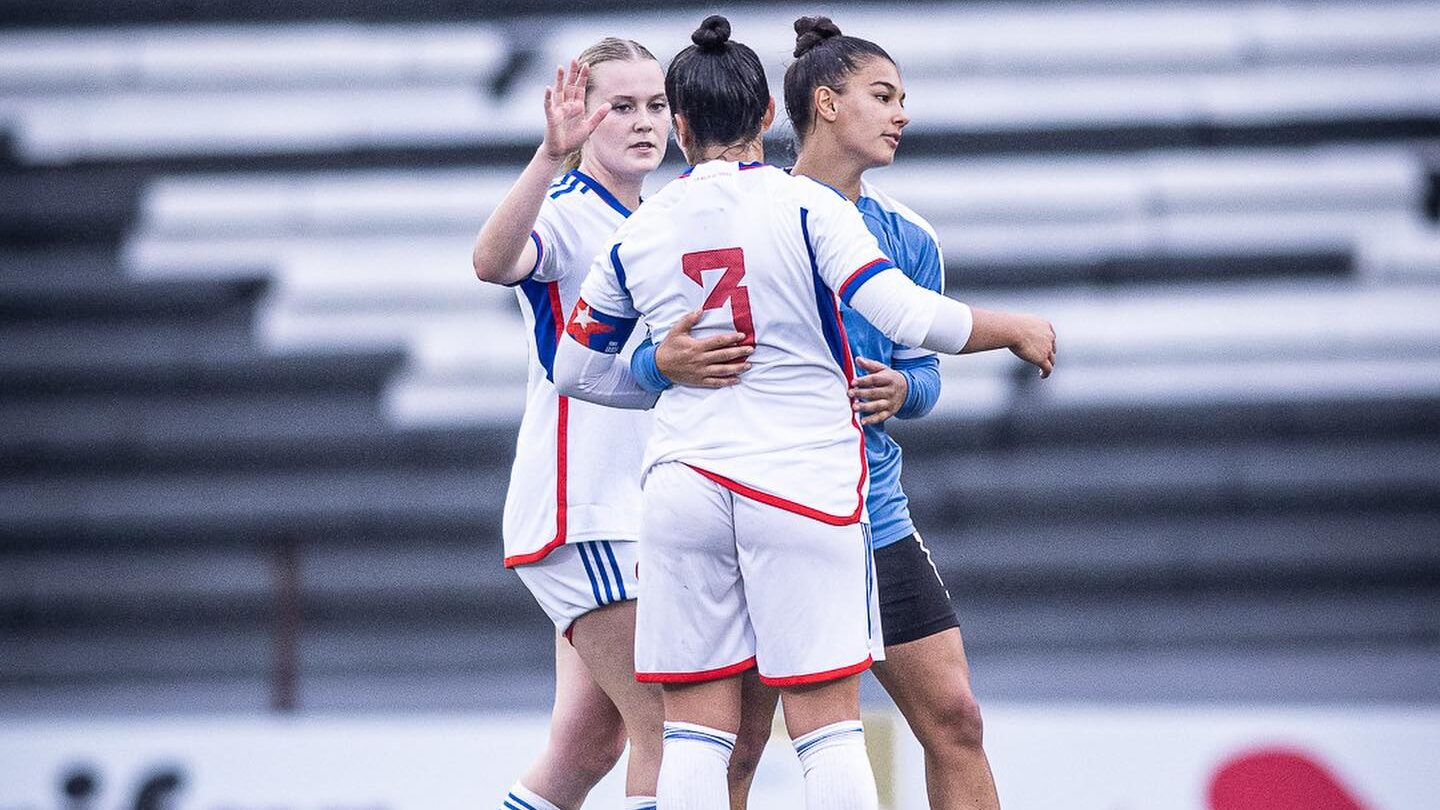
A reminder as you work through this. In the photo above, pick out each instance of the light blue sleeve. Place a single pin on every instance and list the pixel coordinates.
(923, 376)
(645, 370)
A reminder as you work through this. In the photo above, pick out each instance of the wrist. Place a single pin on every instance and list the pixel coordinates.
(545, 155)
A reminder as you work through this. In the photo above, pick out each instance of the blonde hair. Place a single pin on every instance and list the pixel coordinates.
(609, 49)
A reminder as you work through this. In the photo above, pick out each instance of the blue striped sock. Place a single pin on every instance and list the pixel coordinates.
(523, 798)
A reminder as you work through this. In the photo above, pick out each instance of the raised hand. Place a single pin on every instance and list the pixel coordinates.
(712, 362)
(566, 124)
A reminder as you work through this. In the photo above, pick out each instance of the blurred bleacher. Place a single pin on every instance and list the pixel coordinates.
(259, 414)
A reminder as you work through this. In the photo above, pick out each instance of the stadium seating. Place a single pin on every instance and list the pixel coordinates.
(242, 343)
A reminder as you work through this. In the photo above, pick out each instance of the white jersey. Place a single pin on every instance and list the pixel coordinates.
(576, 475)
(765, 254)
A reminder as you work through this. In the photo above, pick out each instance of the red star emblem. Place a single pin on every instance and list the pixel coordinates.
(583, 325)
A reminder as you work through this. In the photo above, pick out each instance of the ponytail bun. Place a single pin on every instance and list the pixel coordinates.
(712, 35)
(811, 31)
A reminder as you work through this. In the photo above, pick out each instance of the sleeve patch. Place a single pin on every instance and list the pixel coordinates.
(598, 331)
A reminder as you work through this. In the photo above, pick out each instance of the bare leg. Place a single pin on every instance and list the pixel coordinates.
(810, 707)
(929, 680)
(757, 715)
(605, 641)
(587, 735)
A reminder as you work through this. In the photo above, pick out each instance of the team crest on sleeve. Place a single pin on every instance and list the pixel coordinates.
(597, 330)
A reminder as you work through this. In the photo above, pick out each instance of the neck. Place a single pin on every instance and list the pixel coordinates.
(748, 152)
(626, 189)
(822, 161)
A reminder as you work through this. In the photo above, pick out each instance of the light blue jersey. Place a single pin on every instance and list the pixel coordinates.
(910, 241)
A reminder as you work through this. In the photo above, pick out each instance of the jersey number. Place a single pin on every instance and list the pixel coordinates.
(729, 288)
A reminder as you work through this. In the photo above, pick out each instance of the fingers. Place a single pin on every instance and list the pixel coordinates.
(872, 405)
(596, 117)
(871, 365)
(725, 354)
(874, 381)
(686, 323)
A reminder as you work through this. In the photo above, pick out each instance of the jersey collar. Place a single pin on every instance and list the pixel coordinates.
(601, 192)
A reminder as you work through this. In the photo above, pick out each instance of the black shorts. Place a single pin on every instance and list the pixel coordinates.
(913, 600)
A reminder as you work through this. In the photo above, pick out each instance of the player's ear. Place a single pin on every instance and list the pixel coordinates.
(683, 135)
(825, 104)
(769, 115)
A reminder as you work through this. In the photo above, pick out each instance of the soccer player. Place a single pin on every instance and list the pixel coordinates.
(845, 100)
(755, 552)
(572, 512)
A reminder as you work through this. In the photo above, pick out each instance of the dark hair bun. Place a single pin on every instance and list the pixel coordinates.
(811, 31)
(712, 34)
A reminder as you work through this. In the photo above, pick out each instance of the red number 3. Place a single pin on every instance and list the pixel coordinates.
(729, 288)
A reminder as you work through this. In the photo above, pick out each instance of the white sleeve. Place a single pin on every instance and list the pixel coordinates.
(603, 379)
(850, 261)
(548, 246)
(912, 315)
(587, 364)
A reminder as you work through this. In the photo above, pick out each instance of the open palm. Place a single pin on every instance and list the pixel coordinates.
(566, 124)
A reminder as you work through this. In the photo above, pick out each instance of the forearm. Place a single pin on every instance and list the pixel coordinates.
(992, 330)
(598, 377)
(505, 237)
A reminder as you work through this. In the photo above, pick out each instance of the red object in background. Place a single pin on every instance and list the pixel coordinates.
(1278, 779)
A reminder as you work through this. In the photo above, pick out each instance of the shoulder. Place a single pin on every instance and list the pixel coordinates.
(895, 216)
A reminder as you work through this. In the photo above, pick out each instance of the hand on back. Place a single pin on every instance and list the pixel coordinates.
(713, 362)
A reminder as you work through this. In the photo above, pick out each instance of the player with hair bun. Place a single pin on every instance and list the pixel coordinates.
(756, 550)
(845, 100)
(572, 511)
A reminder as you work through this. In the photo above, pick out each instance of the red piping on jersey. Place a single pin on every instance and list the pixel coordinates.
(696, 677)
(561, 427)
(781, 503)
(857, 273)
(819, 677)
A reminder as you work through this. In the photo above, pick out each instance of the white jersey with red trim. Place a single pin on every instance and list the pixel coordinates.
(765, 254)
(576, 475)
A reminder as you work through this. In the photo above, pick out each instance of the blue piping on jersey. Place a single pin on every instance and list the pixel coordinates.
(538, 296)
(604, 193)
(824, 300)
(619, 270)
(566, 185)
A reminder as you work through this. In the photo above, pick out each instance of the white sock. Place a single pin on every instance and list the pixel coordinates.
(837, 770)
(693, 768)
(639, 803)
(523, 798)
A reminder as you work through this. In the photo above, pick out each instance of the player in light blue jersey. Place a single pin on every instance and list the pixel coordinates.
(845, 99)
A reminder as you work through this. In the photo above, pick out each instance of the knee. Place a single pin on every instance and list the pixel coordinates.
(589, 757)
(953, 723)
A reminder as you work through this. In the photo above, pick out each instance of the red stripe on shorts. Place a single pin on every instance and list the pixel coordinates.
(696, 677)
(819, 677)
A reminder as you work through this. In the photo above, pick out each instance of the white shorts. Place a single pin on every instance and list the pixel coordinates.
(577, 578)
(732, 583)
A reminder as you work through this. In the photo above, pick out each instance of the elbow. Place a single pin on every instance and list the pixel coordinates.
(485, 270)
